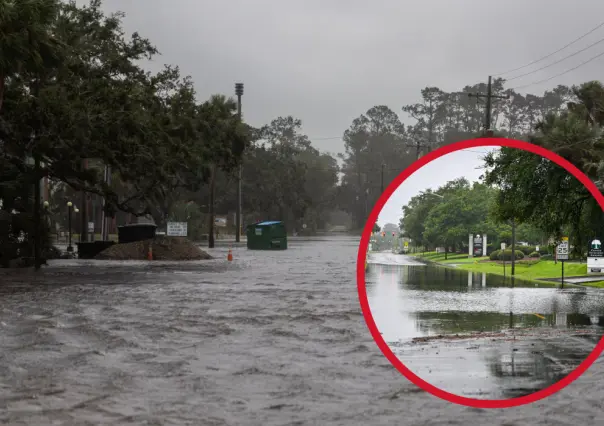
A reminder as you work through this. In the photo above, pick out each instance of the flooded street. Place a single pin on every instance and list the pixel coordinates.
(476, 335)
(274, 338)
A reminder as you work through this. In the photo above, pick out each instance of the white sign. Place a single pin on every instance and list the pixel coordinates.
(177, 229)
(595, 265)
(220, 221)
(502, 246)
(537, 249)
(595, 257)
(258, 231)
(562, 249)
(90, 226)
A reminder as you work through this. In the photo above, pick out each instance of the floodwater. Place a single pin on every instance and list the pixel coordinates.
(479, 335)
(273, 338)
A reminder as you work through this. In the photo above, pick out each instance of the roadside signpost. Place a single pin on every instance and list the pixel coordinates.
(503, 257)
(595, 257)
(562, 255)
(176, 229)
(477, 246)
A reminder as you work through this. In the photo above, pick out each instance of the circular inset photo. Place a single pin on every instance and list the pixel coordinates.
(481, 273)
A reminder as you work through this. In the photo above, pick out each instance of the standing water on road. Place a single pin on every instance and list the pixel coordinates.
(473, 334)
(272, 338)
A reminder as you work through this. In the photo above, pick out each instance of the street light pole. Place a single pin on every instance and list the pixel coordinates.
(69, 206)
(239, 93)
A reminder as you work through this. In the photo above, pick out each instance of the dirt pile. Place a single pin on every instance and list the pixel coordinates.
(163, 248)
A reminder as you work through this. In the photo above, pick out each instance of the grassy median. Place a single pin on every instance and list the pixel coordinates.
(527, 269)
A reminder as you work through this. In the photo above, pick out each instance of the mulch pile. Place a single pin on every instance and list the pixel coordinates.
(163, 248)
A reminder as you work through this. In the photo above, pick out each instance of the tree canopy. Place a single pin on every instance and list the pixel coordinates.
(76, 96)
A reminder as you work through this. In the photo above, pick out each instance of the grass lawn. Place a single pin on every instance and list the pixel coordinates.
(597, 284)
(541, 269)
(533, 270)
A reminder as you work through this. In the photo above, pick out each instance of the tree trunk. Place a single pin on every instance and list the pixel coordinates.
(2, 83)
(37, 216)
(84, 210)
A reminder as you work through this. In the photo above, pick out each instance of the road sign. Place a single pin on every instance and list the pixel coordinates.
(562, 249)
(176, 229)
(477, 245)
(595, 257)
(90, 226)
(220, 221)
(502, 246)
(595, 248)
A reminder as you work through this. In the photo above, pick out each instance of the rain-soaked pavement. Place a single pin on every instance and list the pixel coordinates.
(271, 339)
(474, 334)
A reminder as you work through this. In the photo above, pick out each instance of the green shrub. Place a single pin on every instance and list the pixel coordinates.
(547, 257)
(527, 250)
(494, 255)
(535, 254)
(507, 255)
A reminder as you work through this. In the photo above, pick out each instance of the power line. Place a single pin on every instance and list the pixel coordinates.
(553, 53)
(327, 138)
(558, 75)
(557, 62)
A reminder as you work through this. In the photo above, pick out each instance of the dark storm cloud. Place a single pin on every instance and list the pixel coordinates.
(327, 62)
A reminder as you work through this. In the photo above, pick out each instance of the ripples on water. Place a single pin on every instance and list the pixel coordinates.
(274, 338)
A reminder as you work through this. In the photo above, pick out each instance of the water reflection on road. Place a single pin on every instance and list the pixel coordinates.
(531, 335)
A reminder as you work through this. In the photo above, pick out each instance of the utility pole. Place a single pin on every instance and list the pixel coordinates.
(489, 103)
(383, 165)
(239, 93)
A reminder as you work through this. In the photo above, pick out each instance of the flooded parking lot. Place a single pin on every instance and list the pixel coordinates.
(479, 335)
(271, 339)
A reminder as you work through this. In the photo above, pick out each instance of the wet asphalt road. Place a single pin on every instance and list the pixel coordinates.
(474, 334)
(271, 339)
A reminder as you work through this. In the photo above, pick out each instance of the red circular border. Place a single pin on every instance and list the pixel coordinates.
(470, 402)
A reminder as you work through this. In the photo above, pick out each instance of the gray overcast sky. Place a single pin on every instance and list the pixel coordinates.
(326, 61)
(465, 163)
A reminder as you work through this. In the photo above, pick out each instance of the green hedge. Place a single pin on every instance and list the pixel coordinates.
(494, 255)
(535, 254)
(507, 255)
(526, 250)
